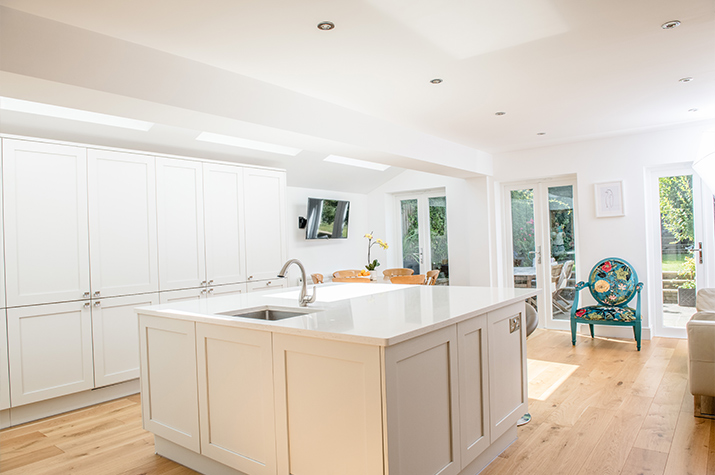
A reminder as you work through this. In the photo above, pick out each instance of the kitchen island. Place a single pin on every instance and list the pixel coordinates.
(369, 379)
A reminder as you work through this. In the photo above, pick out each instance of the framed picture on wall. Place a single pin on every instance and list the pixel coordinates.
(609, 199)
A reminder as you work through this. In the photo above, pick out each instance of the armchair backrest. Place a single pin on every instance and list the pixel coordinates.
(613, 282)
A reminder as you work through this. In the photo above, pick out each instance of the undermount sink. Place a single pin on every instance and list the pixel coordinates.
(267, 313)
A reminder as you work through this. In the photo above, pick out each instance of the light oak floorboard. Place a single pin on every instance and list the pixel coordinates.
(619, 412)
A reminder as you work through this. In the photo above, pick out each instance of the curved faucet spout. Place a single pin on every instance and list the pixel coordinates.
(303, 299)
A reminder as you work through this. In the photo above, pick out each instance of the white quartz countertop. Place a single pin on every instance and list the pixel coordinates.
(377, 314)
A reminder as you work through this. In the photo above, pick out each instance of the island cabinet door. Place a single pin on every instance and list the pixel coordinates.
(507, 373)
(328, 407)
(170, 407)
(236, 398)
(473, 387)
(422, 405)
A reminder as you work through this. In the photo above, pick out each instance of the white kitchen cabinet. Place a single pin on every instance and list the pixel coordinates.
(236, 398)
(46, 222)
(2, 250)
(122, 223)
(202, 292)
(328, 406)
(265, 222)
(473, 365)
(50, 350)
(4, 369)
(180, 208)
(508, 384)
(422, 407)
(169, 382)
(115, 331)
(224, 224)
(275, 283)
(223, 290)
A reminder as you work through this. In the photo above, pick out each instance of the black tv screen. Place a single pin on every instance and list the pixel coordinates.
(327, 219)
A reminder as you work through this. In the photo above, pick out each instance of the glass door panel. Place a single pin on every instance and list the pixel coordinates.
(524, 249)
(563, 250)
(410, 235)
(677, 243)
(439, 257)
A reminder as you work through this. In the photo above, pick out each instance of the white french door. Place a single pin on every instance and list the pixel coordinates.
(681, 237)
(540, 227)
(423, 232)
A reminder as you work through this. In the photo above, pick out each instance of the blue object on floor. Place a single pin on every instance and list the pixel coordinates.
(613, 283)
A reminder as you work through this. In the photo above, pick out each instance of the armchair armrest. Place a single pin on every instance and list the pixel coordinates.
(580, 286)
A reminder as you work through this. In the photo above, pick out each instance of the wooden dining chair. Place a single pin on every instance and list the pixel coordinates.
(432, 277)
(387, 273)
(356, 280)
(346, 273)
(317, 278)
(418, 279)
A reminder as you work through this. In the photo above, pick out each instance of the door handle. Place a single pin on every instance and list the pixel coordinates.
(699, 250)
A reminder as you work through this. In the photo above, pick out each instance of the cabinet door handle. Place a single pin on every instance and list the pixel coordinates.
(203, 291)
(203, 282)
(85, 295)
(211, 281)
(86, 305)
(250, 277)
(97, 303)
(211, 290)
(96, 294)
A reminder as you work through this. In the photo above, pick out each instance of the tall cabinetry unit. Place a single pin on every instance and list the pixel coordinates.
(4, 366)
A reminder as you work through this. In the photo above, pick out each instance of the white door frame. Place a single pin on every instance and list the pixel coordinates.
(542, 240)
(704, 232)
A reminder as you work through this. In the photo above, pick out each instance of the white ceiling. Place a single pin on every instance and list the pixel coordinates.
(572, 69)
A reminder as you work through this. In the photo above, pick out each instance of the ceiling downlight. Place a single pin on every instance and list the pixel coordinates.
(326, 25)
(686, 79)
(669, 25)
(500, 113)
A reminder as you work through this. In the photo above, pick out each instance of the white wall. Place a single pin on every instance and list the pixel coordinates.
(624, 158)
(320, 255)
(468, 225)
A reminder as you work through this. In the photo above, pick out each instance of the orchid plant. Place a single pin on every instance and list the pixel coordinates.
(371, 265)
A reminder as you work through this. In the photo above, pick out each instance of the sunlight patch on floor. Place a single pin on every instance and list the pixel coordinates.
(546, 376)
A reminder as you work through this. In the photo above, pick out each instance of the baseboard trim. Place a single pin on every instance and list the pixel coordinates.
(51, 407)
(189, 458)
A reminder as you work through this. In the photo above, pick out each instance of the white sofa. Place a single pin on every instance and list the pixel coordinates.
(701, 349)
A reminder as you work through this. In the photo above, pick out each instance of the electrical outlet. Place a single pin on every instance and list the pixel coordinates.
(514, 324)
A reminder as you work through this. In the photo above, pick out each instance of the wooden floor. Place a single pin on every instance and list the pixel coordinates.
(598, 408)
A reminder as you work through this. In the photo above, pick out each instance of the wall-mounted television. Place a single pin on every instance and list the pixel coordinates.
(327, 219)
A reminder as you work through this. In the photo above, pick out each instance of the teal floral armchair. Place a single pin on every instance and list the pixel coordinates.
(613, 283)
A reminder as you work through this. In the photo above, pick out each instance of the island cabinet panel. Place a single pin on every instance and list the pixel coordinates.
(260, 286)
(223, 216)
(180, 206)
(236, 401)
(473, 387)
(265, 222)
(50, 349)
(46, 222)
(422, 405)
(507, 378)
(4, 370)
(122, 222)
(328, 407)
(170, 407)
(115, 330)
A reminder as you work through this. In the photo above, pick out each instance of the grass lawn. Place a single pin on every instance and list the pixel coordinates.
(673, 262)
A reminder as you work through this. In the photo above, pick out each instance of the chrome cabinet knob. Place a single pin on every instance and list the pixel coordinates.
(203, 291)
(96, 294)
(211, 281)
(97, 303)
(86, 305)
(250, 277)
(211, 290)
(203, 282)
(85, 295)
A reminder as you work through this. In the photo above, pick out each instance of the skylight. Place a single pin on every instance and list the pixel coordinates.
(353, 162)
(37, 108)
(245, 143)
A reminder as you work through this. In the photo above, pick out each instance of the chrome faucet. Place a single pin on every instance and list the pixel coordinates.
(303, 299)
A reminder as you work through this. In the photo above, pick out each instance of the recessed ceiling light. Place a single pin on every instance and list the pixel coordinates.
(692, 110)
(326, 25)
(500, 113)
(436, 81)
(37, 108)
(245, 143)
(541, 133)
(669, 25)
(353, 162)
(687, 79)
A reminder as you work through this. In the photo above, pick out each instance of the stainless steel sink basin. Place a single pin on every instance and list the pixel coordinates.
(267, 313)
